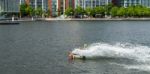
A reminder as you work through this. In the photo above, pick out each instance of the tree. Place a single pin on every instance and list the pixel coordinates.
(79, 11)
(23, 9)
(99, 10)
(39, 11)
(114, 11)
(32, 12)
(47, 13)
(121, 12)
(138, 11)
(69, 11)
(108, 8)
(26, 10)
(146, 12)
(89, 11)
(29, 11)
(130, 11)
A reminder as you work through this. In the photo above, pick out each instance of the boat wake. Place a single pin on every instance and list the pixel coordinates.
(138, 53)
(127, 50)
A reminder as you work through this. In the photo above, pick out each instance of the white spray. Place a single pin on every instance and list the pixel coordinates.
(138, 53)
(126, 50)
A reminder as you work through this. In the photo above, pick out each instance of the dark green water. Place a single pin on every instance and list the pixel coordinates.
(42, 47)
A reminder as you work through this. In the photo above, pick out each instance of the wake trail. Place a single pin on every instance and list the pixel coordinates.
(118, 50)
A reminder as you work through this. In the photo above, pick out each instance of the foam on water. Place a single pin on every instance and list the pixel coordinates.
(119, 50)
(130, 51)
(141, 67)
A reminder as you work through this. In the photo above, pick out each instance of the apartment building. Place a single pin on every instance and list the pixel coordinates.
(56, 7)
(145, 3)
(9, 6)
(127, 3)
(91, 3)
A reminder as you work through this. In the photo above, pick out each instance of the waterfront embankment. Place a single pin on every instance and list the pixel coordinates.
(78, 19)
(101, 19)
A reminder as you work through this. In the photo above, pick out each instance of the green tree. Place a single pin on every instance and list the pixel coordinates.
(99, 10)
(32, 12)
(23, 9)
(114, 11)
(148, 9)
(26, 10)
(146, 12)
(47, 13)
(130, 11)
(89, 11)
(29, 11)
(138, 11)
(79, 11)
(121, 12)
(39, 11)
(108, 8)
(69, 11)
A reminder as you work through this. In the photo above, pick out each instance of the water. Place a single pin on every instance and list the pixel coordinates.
(42, 47)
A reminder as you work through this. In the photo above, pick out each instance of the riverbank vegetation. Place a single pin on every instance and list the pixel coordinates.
(28, 11)
(110, 10)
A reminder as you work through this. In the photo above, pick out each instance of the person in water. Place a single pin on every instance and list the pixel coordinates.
(72, 56)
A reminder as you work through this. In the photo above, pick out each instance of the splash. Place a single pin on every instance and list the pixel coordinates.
(139, 53)
(138, 67)
(118, 50)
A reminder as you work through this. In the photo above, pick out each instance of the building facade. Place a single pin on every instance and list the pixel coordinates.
(59, 6)
(56, 7)
(126, 3)
(38, 3)
(53, 7)
(116, 2)
(145, 3)
(70, 3)
(44, 4)
(91, 3)
(9, 6)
